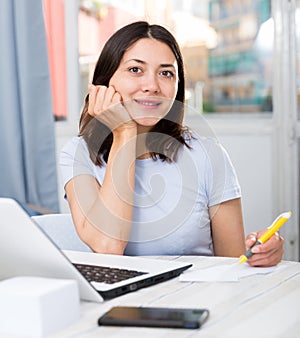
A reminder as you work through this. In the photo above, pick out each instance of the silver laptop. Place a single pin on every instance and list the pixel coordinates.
(26, 250)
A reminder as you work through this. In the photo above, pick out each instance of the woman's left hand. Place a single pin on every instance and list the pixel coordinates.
(267, 254)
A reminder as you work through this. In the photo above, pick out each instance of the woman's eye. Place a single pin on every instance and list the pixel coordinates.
(135, 70)
(167, 73)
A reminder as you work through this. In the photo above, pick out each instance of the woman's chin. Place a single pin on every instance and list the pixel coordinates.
(147, 121)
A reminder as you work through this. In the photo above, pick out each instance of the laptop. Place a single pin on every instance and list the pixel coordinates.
(26, 250)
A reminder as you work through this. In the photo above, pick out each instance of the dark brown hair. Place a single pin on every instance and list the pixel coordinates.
(168, 134)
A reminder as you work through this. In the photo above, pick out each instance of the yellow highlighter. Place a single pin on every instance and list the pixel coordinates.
(279, 221)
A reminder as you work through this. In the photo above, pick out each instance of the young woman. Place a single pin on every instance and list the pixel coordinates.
(138, 182)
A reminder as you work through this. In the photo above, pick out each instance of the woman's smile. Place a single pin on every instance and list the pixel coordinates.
(148, 111)
(148, 104)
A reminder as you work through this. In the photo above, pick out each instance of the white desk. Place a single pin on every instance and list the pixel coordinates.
(256, 306)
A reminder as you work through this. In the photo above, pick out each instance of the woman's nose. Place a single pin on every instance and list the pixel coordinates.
(151, 85)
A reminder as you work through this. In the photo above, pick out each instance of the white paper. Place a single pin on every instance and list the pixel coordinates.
(223, 273)
(244, 270)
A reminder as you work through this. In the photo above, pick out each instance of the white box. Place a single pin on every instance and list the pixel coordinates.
(37, 306)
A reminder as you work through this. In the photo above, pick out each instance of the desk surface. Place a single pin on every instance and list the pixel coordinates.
(256, 306)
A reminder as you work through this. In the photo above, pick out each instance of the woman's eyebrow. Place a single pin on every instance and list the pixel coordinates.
(167, 65)
(135, 60)
(163, 65)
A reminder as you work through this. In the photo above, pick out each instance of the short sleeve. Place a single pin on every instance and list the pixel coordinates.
(75, 160)
(223, 183)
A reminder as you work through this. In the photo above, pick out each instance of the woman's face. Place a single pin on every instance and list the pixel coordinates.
(147, 80)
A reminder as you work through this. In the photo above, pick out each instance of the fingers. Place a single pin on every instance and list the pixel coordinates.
(251, 238)
(269, 258)
(101, 98)
(92, 99)
(117, 98)
(266, 254)
(106, 105)
(272, 244)
(105, 99)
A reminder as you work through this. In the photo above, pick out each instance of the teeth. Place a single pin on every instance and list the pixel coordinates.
(149, 103)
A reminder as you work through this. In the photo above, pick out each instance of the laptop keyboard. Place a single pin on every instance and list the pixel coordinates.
(104, 274)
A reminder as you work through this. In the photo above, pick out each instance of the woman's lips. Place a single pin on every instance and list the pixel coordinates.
(148, 103)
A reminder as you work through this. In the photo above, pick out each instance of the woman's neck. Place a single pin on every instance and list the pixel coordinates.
(142, 152)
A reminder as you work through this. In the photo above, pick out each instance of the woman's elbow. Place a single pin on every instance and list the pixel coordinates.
(100, 242)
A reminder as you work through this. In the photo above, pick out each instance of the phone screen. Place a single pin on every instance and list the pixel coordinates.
(155, 316)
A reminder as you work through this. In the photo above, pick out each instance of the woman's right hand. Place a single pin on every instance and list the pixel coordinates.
(105, 104)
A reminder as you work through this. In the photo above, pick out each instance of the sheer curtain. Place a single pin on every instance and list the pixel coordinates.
(55, 31)
(27, 142)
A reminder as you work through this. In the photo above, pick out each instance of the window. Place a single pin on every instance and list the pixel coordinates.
(225, 46)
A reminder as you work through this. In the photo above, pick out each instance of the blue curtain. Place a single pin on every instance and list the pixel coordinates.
(27, 142)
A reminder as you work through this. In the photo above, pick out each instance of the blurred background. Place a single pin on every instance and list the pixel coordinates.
(242, 63)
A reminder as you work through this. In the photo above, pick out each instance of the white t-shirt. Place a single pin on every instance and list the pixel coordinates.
(171, 199)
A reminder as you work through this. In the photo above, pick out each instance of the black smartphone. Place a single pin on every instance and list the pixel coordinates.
(184, 318)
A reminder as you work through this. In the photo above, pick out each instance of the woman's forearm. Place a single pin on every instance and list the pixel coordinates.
(227, 228)
(103, 215)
